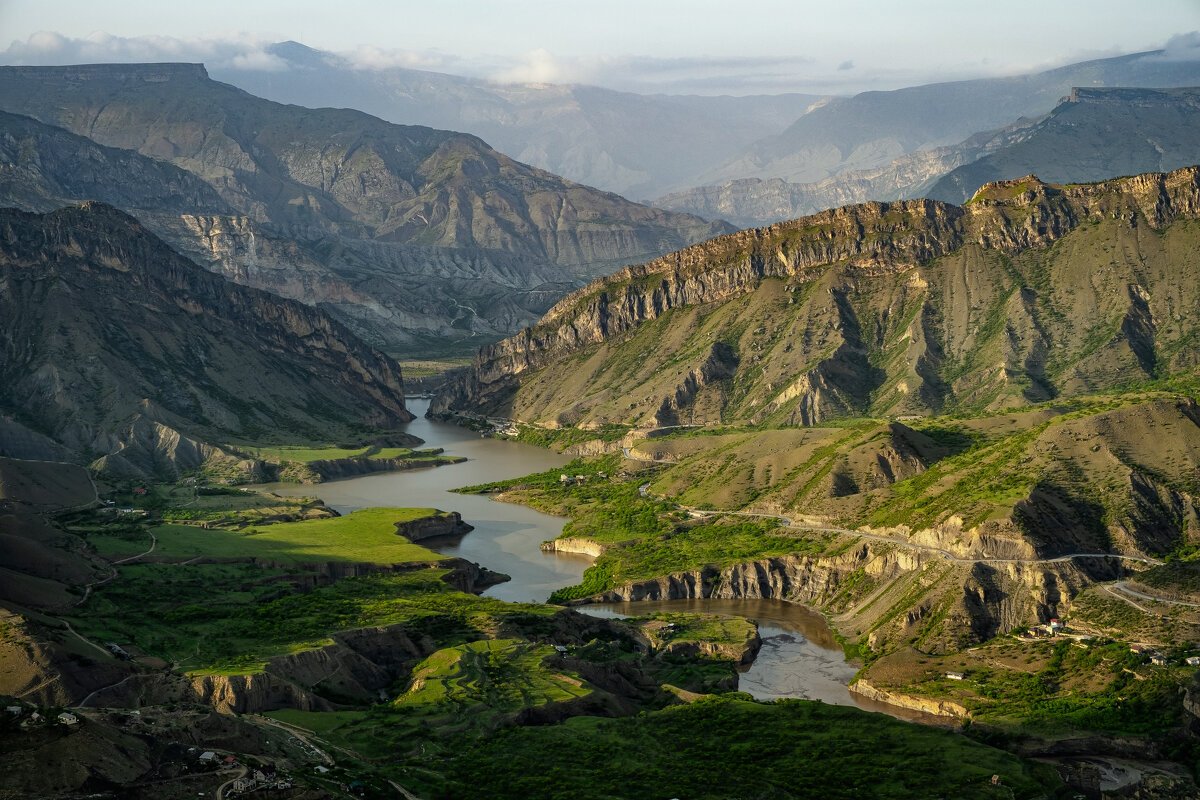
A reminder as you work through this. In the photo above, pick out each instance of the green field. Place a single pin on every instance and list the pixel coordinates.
(366, 536)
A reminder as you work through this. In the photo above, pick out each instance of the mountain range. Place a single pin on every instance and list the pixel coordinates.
(653, 146)
(410, 235)
(1092, 134)
(637, 145)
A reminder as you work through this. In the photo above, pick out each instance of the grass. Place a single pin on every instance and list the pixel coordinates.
(232, 618)
(721, 748)
(1055, 688)
(366, 536)
(491, 676)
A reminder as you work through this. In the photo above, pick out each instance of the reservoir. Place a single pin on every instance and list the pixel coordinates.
(799, 658)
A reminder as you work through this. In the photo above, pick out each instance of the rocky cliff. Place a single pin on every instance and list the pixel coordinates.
(882, 594)
(166, 358)
(887, 308)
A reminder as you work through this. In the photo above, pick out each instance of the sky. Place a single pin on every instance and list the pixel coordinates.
(674, 46)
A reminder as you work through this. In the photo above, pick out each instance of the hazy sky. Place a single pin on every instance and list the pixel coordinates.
(735, 46)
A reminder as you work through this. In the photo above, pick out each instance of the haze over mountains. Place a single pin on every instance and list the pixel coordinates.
(1091, 135)
(639, 146)
(644, 147)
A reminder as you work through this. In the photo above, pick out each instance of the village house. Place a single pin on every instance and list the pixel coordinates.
(955, 676)
(67, 718)
(1158, 659)
(1193, 661)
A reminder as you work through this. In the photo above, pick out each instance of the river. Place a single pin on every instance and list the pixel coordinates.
(800, 657)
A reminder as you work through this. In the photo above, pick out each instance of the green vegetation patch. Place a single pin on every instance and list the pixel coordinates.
(493, 676)
(725, 747)
(232, 618)
(365, 536)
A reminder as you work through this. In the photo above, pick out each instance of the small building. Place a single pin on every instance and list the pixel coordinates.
(321, 769)
(67, 718)
(1158, 659)
(14, 710)
(562, 650)
(1193, 661)
(243, 784)
(208, 756)
(1056, 625)
(1139, 648)
(955, 676)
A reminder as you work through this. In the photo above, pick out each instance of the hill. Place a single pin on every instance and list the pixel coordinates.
(328, 205)
(126, 355)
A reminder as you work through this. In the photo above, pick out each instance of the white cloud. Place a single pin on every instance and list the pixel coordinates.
(241, 51)
(368, 57)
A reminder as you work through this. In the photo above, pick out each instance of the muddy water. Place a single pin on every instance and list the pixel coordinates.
(799, 657)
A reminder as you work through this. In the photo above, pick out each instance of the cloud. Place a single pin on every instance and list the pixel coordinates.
(1182, 47)
(845, 65)
(370, 57)
(240, 51)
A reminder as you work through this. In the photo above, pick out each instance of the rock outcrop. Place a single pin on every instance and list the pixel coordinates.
(947, 605)
(923, 705)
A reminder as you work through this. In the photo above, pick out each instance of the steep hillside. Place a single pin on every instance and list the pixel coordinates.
(1029, 293)
(1091, 135)
(127, 355)
(637, 145)
(293, 186)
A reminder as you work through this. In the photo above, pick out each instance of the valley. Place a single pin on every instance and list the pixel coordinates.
(342, 456)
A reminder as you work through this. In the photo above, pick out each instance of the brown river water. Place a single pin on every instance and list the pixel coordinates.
(799, 657)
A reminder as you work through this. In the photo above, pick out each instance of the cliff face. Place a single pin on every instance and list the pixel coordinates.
(166, 357)
(884, 308)
(890, 594)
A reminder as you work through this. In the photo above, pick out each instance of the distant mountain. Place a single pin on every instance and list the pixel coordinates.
(872, 129)
(637, 145)
(1092, 135)
(411, 235)
(120, 353)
